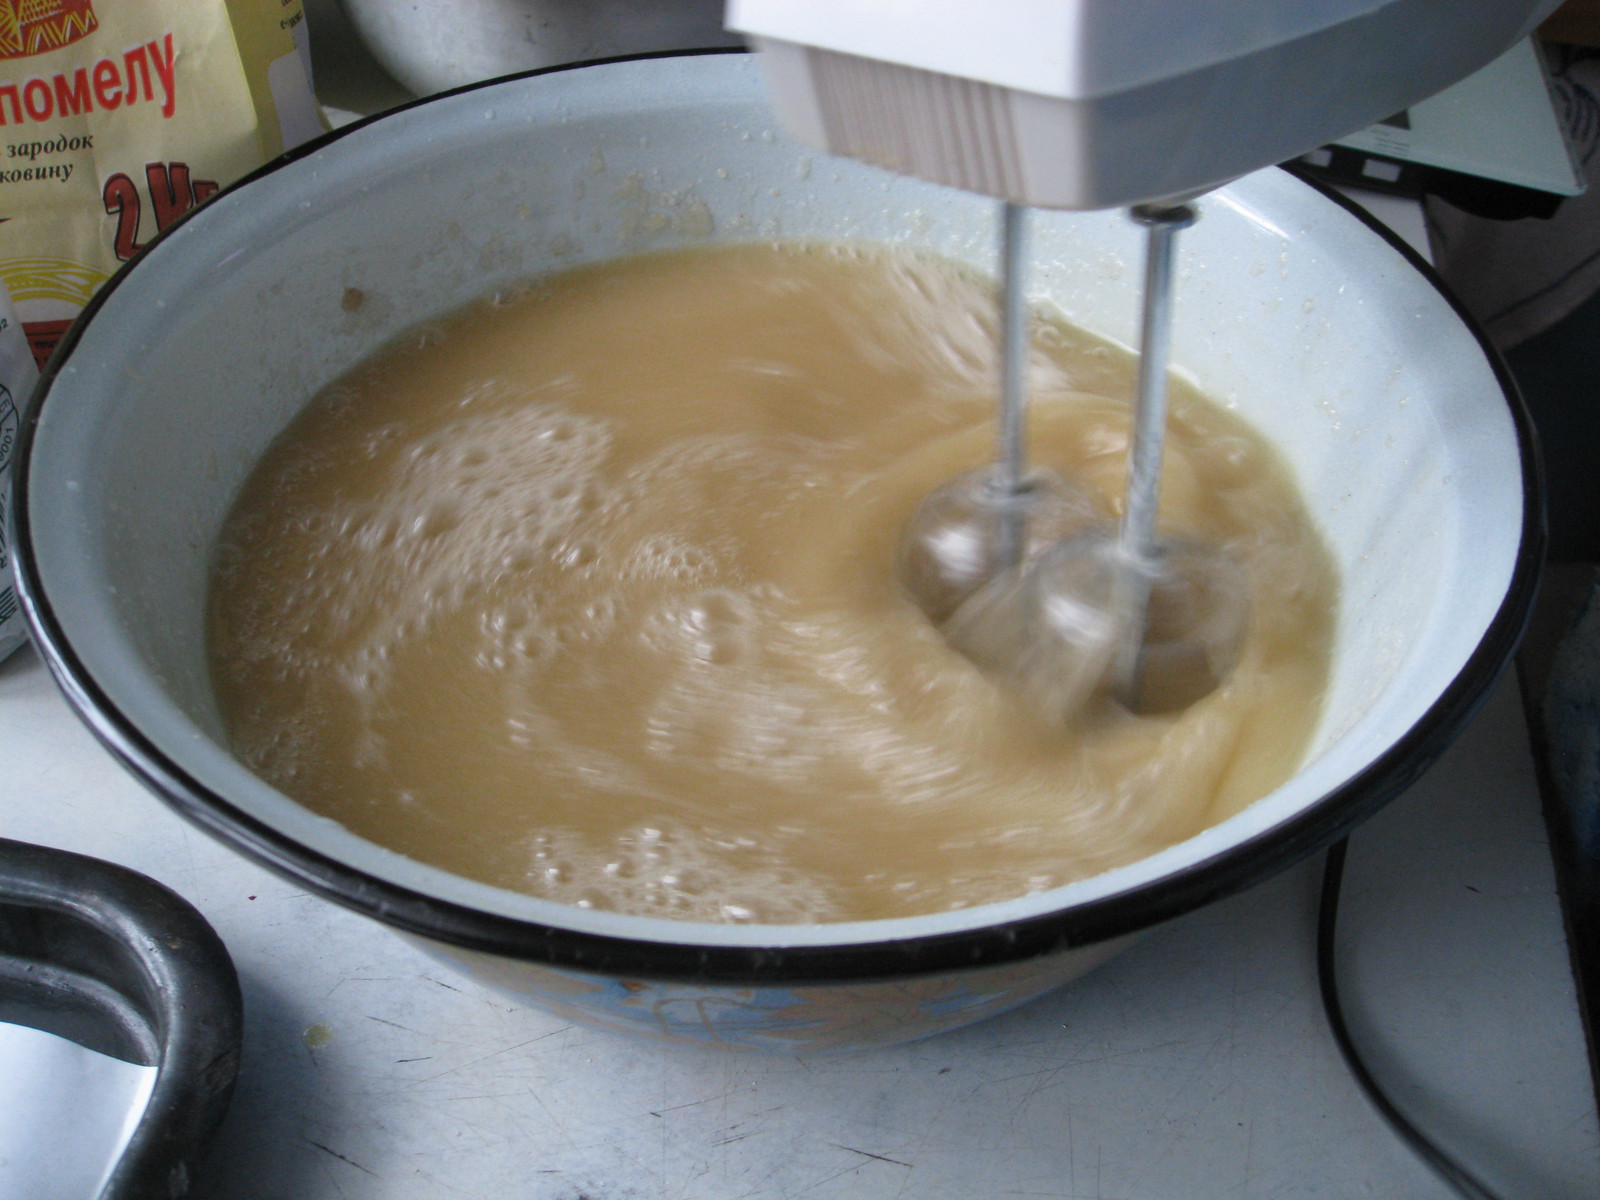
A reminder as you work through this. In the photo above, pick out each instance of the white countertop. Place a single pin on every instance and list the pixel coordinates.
(1194, 1065)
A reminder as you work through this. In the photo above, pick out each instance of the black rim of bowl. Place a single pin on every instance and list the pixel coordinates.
(1238, 867)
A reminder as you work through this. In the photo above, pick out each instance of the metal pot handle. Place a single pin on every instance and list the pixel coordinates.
(118, 963)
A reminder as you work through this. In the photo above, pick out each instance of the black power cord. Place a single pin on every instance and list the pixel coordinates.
(1448, 1169)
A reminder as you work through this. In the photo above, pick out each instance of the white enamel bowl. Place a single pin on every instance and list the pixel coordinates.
(1331, 339)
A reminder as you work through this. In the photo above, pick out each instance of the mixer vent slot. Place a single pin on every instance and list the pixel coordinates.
(939, 127)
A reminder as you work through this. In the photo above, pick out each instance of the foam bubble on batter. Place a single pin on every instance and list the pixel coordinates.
(671, 870)
(486, 499)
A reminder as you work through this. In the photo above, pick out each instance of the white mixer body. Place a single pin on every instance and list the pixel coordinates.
(1087, 104)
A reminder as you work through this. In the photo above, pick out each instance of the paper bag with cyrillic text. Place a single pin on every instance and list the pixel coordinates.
(119, 116)
(17, 377)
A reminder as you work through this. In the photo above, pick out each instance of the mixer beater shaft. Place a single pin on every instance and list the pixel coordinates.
(1012, 463)
(1136, 539)
(1056, 607)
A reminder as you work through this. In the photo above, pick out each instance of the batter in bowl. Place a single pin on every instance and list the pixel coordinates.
(588, 591)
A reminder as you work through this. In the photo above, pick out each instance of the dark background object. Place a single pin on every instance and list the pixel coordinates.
(1558, 371)
(1490, 198)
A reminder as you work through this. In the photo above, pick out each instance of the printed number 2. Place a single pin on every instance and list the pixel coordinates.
(172, 193)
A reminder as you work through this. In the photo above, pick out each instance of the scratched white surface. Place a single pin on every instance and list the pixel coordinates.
(1195, 1065)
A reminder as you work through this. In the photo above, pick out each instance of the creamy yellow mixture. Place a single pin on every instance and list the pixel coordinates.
(589, 591)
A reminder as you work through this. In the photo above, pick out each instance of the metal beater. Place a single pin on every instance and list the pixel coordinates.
(1162, 620)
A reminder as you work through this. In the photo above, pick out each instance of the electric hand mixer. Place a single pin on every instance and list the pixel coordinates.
(1088, 104)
